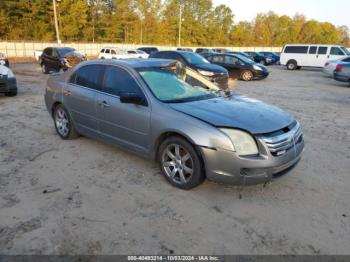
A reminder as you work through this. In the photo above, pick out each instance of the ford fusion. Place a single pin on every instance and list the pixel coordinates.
(165, 111)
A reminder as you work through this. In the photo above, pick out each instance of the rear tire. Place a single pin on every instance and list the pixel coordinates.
(180, 163)
(63, 123)
(247, 75)
(292, 65)
(12, 93)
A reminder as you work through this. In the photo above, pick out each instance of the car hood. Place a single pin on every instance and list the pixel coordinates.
(210, 67)
(239, 112)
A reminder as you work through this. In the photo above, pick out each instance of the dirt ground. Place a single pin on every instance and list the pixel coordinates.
(86, 197)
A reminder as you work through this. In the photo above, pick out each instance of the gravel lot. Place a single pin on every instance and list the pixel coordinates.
(86, 197)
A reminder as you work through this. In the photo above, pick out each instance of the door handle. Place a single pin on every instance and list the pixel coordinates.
(67, 92)
(104, 104)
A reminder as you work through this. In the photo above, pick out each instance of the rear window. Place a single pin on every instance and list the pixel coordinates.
(296, 49)
(313, 50)
(322, 50)
(88, 76)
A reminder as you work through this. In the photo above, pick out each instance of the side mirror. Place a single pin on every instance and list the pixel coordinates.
(133, 98)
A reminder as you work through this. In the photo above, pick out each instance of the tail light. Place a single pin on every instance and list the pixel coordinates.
(339, 68)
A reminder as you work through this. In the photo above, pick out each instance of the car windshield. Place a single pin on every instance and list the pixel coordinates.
(174, 85)
(194, 58)
(346, 51)
(64, 51)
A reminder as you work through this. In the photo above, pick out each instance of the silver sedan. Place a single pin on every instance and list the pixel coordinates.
(167, 112)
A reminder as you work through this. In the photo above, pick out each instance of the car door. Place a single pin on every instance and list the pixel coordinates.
(80, 97)
(122, 123)
(45, 57)
(234, 66)
(55, 60)
(322, 56)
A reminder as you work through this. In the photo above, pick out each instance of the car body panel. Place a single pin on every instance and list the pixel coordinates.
(8, 82)
(344, 74)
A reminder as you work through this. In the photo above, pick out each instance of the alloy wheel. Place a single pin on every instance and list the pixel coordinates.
(177, 163)
(62, 122)
(247, 76)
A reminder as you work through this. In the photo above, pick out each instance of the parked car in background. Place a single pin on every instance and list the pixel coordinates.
(57, 58)
(115, 53)
(138, 54)
(193, 131)
(273, 56)
(259, 58)
(149, 50)
(4, 58)
(242, 54)
(330, 66)
(342, 73)
(204, 50)
(8, 83)
(239, 67)
(297, 56)
(220, 50)
(184, 49)
(198, 63)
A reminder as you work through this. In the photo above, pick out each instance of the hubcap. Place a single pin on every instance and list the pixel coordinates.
(62, 122)
(177, 163)
(247, 76)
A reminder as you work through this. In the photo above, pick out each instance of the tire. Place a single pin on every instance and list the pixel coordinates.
(12, 93)
(63, 123)
(292, 65)
(44, 69)
(247, 75)
(180, 163)
(263, 62)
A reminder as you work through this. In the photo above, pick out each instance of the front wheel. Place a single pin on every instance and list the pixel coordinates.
(247, 75)
(12, 93)
(44, 69)
(64, 124)
(180, 163)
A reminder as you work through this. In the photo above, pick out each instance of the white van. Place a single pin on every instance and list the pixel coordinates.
(296, 56)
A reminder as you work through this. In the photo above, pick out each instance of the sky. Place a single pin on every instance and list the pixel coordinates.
(337, 12)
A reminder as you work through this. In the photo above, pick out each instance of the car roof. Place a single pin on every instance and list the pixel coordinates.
(132, 63)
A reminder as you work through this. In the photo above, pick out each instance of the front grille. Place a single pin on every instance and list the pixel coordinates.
(285, 140)
(2, 84)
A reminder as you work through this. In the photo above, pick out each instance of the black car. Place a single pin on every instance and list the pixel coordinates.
(342, 73)
(239, 67)
(149, 50)
(57, 58)
(214, 73)
(259, 58)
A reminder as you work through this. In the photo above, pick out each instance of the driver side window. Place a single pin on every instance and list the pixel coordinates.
(232, 60)
(118, 80)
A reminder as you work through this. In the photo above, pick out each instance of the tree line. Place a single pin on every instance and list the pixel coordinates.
(157, 22)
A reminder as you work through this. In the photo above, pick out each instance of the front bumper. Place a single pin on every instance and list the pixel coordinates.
(261, 74)
(7, 84)
(227, 167)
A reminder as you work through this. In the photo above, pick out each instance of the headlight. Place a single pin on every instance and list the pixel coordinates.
(10, 74)
(258, 68)
(243, 142)
(206, 73)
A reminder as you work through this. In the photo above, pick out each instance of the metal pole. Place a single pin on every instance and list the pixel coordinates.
(180, 21)
(56, 22)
